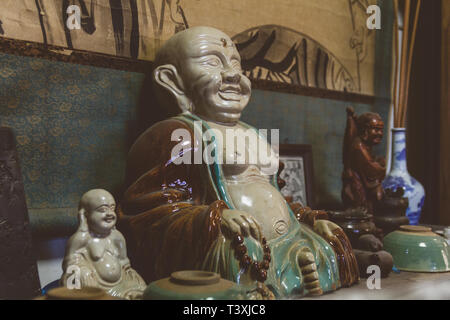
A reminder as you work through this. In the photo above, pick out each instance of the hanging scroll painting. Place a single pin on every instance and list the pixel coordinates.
(321, 44)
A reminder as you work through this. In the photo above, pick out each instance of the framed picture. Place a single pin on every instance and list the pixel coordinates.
(298, 173)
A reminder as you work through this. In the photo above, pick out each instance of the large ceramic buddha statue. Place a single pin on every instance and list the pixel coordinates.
(224, 216)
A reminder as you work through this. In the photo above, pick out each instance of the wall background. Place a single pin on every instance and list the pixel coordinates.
(74, 125)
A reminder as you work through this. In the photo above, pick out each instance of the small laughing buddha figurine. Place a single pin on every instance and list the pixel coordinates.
(96, 255)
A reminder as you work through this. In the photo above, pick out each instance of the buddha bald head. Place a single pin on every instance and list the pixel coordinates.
(98, 206)
(201, 68)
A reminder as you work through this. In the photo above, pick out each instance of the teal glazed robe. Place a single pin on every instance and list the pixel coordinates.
(284, 275)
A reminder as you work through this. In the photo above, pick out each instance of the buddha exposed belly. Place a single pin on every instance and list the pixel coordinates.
(108, 268)
(248, 183)
(255, 195)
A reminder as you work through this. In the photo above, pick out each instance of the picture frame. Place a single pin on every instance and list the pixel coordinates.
(298, 173)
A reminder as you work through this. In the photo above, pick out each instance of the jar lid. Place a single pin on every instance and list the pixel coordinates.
(195, 277)
(193, 285)
(447, 232)
(410, 228)
(86, 293)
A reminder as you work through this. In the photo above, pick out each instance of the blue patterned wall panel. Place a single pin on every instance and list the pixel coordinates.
(70, 123)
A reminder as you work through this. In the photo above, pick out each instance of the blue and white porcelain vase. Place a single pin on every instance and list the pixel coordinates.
(400, 177)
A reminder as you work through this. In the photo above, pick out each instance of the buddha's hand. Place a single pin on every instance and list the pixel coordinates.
(236, 221)
(88, 278)
(129, 272)
(133, 277)
(381, 161)
(336, 237)
(134, 295)
(326, 228)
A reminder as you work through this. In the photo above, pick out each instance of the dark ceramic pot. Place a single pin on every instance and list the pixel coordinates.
(390, 224)
(390, 212)
(354, 222)
(393, 204)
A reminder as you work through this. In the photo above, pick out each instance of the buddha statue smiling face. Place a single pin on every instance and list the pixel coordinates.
(99, 206)
(207, 78)
(370, 126)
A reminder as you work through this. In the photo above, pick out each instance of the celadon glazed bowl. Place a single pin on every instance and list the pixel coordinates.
(193, 285)
(416, 248)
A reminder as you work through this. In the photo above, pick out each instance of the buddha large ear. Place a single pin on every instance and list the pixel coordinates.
(167, 77)
(365, 134)
(82, 221)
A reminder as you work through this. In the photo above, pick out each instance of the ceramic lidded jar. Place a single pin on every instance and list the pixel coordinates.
(194, 285)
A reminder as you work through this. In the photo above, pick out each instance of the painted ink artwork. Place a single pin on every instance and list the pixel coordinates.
(294, 176)
(320, 44)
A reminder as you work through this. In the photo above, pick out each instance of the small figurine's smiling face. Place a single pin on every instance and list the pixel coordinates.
(375, 131)
(211, 71)
(100, 214)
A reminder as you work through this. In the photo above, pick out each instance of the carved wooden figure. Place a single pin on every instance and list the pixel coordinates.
(363, 173)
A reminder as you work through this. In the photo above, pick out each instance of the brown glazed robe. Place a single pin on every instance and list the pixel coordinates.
(163, 214)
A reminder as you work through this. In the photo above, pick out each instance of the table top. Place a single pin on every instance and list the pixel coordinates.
(397, 286)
